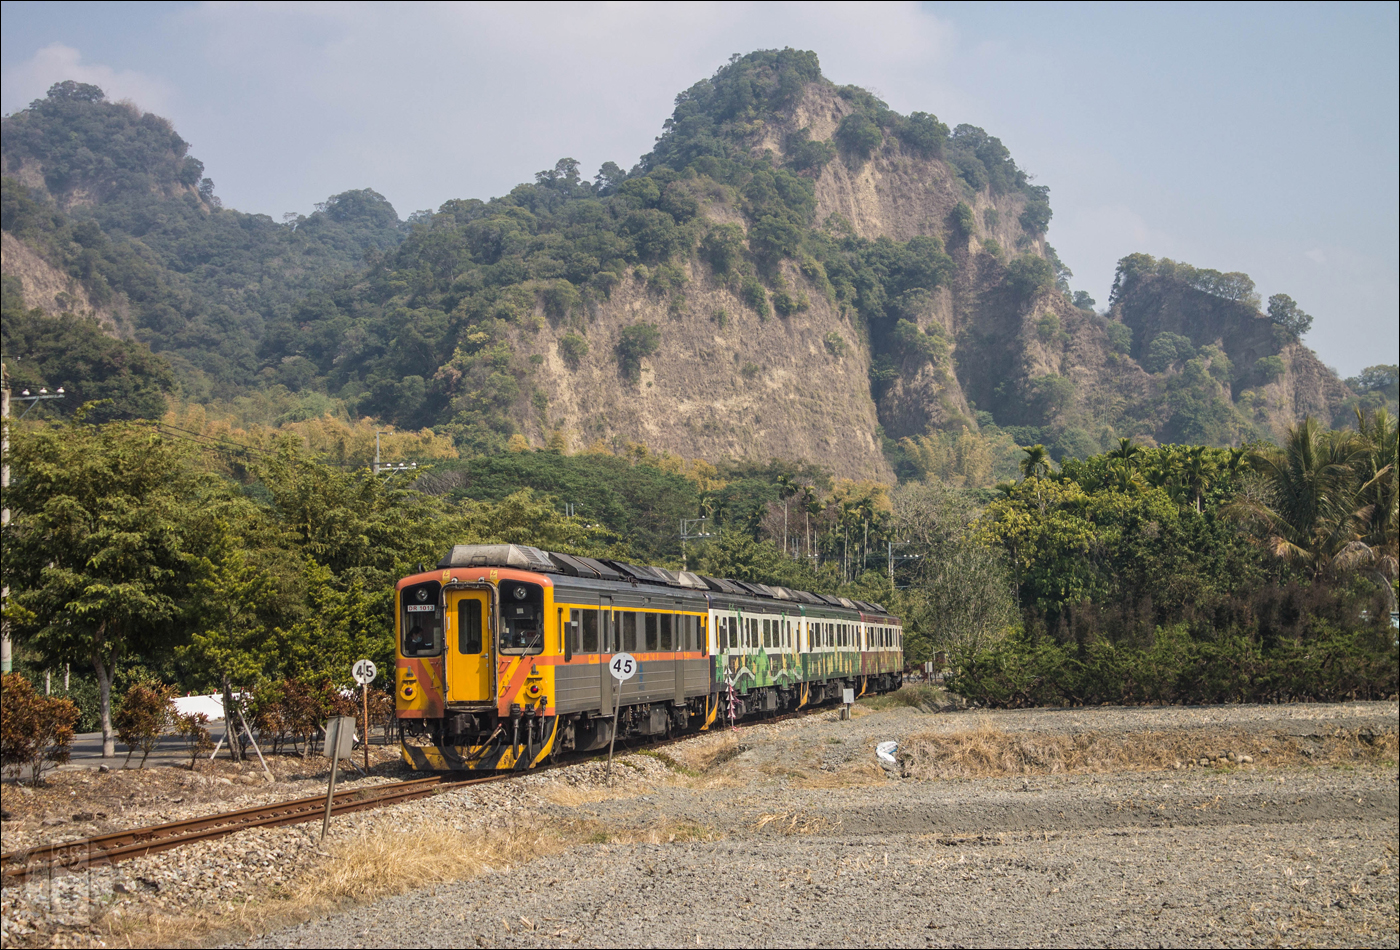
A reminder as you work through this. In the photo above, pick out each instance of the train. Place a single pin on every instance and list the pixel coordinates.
(503, 652)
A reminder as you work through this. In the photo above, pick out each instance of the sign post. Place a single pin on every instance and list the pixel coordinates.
(848, 697)
(364, 672)
(623, 667)
(340, 741)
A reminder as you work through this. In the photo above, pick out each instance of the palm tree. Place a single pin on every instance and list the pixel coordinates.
(1127, 452)
(1037, 462)
(1197, 472)
(1379, 465)
(1313, 512)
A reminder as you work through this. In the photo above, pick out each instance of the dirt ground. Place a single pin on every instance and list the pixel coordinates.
(1019, 828)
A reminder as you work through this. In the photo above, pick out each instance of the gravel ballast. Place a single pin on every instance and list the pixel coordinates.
(791, 834)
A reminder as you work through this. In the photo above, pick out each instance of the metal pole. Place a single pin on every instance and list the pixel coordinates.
(330, 794)
(364, 688)
(612, 738)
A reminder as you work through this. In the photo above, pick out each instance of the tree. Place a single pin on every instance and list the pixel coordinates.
(1311, 511)
(1029, 276)
(1037, 462)
(101, 548)
(1287, 314)
(635, 343)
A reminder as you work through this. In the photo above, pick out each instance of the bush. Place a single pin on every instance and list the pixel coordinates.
(636, 343)
(1167, 349)
(1120, 337)
(963, 219)
(147, 711)
(756, 297)
(1269, 368)
(723, 248)
(787, 304)
(858, 136)
(35, 731)
(1029, 275)
(835, 344)
(191, 728)
(573, 347)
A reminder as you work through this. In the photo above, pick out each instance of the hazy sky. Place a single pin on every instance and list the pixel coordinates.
(1260, 138)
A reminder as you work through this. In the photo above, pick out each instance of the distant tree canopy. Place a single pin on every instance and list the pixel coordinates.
(123, 378)
(1289, 316)
(1232, 285)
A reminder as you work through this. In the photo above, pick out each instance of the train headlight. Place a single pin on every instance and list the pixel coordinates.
(534, 690)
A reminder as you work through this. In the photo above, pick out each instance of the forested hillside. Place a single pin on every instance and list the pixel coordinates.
(794, 271)
(108, 199)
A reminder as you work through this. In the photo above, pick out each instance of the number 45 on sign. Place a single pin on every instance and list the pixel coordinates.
(623, 667)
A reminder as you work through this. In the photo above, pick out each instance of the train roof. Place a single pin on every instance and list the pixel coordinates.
(525, 557)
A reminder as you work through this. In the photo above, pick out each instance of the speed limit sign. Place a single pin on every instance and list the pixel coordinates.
(623, 667)
(364, 672)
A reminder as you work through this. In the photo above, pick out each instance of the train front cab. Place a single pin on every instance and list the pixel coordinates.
(474, 677)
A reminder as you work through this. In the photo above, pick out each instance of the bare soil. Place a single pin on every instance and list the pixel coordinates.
(1017, 828)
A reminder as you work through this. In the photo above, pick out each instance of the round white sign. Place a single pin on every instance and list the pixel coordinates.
(623, 667)
(364, 672)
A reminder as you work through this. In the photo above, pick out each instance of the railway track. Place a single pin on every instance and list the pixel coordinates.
(19, 866)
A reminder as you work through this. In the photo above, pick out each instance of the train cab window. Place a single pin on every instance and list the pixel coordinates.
(469, 639)
(588, 624)
(522, 617)
(421, 619)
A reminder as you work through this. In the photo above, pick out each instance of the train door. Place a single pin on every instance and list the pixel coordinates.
(470, 668)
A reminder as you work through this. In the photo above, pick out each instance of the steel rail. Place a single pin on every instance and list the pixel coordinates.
(19, 866)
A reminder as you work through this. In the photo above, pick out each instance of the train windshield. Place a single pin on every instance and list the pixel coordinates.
(522, 617)
(421, 620)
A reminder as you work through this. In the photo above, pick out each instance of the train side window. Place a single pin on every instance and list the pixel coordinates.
(651, 631)
(767, 632)
(666, 642)
(590, 631)
(469, 626)
(628, 624)
(733, 633)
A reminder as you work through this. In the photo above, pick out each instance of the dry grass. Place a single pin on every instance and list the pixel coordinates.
(366, 866)
(378, 864)
(571, 796)
(986, 752)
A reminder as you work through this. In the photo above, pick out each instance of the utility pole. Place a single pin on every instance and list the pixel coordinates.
(6, 659)
(686, 535)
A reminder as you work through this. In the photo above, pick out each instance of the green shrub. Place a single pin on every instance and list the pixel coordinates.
(787, 304)
(573, 347)
(635, 343)
(1167, 349)
(835, 344)
(963, 219)
(756, 297)
(1120, 337)
(858, 136)
(1269, 368)
(1029, 275)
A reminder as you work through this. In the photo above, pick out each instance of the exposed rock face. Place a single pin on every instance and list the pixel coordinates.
(716, 387)
(45, 286)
